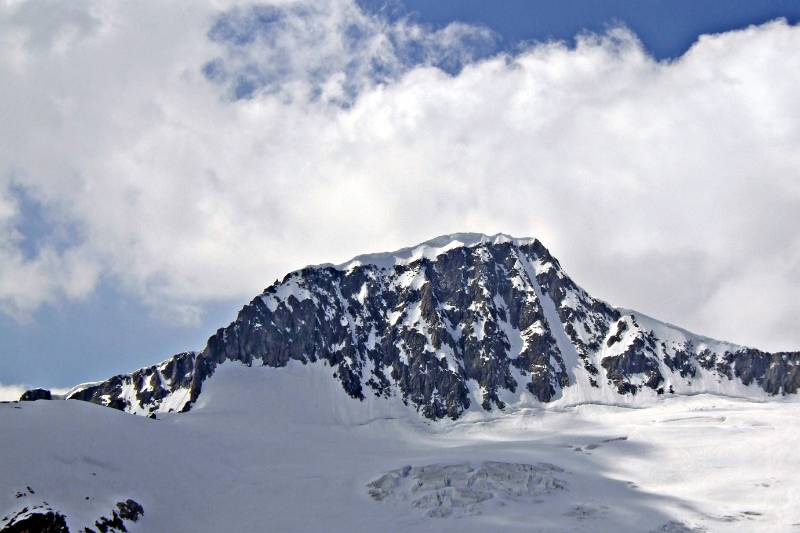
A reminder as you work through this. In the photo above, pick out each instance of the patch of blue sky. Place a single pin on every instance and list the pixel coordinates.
(108, 333)
(36, 228)
(667, 28)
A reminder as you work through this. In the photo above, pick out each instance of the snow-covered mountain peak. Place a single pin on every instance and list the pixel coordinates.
(332, 390)
(465, 323)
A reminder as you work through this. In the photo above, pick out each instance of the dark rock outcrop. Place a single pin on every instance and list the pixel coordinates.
(36, 394)
(127, 511)
(44, 519)
(40, 520)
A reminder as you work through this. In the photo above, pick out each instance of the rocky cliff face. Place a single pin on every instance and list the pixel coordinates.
(457, 322)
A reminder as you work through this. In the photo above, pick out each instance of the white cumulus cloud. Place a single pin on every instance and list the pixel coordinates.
(11, 393)
(671, 187)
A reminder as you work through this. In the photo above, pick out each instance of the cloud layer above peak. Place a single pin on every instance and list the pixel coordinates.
(195, 156)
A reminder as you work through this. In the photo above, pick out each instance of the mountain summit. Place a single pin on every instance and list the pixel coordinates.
(460, 322)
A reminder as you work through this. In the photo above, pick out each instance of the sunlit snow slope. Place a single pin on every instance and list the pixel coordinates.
(269, 450)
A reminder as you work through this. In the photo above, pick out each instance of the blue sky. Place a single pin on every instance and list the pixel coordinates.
(92, 295)
(666, 27)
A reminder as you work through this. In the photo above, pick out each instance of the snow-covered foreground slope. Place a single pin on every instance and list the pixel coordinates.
(267, 449)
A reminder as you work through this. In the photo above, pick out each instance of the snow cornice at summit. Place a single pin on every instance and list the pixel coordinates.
(429, 249)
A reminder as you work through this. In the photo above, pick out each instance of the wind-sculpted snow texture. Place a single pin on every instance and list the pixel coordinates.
(464, 321)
